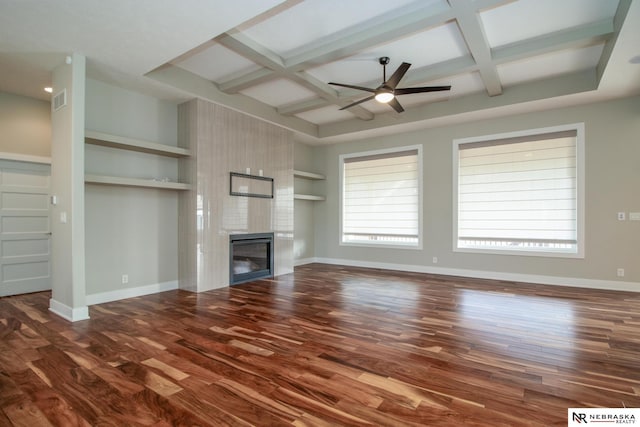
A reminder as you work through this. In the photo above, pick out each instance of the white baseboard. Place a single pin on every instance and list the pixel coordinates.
(303, 261)
(68, 313)
(25, 158)
(611, 285)
(283, 271)
(119, 294)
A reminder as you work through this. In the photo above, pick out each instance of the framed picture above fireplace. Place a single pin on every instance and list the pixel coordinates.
(242, 184)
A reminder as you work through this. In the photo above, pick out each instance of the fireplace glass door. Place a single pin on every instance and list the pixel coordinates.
(251, 257)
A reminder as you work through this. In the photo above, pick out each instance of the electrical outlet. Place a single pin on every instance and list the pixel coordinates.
(620, 272)
(621, 216)
(125, 278)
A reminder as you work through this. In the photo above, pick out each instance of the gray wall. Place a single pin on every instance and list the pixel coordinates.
(612, 178)
(304, 235)
(129, 231)
(25, 125)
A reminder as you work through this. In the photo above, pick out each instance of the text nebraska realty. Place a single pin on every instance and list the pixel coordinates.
(611, 418)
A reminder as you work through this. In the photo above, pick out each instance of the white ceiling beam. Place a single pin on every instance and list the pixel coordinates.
(452, 67)
(257, 53)
(301, 107)
(473, 32)
(388, 27)
(247, 80)
(618, 21)
(417, 17)
(584, 35)
(196, 86)
(482, 5)
(250, 49)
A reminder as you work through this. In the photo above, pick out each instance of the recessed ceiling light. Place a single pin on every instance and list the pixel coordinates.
(48, 89)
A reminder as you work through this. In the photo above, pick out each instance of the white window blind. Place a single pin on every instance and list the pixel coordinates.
(380, 199)
(519, 193)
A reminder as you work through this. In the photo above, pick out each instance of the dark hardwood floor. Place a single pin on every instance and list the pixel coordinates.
(324, 346)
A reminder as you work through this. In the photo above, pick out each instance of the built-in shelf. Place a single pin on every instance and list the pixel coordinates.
(135, 182)
(308, 175)
(130, 144)
(312, 176)
(124, 143)
(308, 197)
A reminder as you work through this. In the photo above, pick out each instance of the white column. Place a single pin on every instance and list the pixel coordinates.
(67, 184)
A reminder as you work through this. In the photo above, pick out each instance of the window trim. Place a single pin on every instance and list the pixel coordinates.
(578, 128)
(341, 162)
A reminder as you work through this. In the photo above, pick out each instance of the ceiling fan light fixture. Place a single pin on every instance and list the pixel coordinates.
(384, 97)
(387, 91)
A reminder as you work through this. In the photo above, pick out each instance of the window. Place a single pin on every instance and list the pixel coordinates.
(520, 192)
(381, 197)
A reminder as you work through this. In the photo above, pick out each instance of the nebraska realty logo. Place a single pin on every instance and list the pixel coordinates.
(603, 416)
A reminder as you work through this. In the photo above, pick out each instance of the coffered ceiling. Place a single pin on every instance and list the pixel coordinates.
(274, 59)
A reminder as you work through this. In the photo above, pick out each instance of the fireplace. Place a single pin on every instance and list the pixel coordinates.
(250, 257)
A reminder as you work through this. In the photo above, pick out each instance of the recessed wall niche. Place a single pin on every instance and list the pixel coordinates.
(224, 141)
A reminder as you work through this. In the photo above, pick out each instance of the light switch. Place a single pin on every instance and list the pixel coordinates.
(63, 217)
(634, 216)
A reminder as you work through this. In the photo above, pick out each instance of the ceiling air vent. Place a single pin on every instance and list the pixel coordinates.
(60, 100)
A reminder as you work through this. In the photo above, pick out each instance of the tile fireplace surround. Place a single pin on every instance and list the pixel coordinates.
(223, 141)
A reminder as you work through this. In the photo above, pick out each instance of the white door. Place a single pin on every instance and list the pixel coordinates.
(25, 256)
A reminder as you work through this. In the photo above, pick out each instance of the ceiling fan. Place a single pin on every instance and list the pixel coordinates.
(386, 93)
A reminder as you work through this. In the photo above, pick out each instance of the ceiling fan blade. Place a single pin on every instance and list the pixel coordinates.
(396, 105)
(353, 87)
(398, 75)
(407, 90)
(358, 102)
